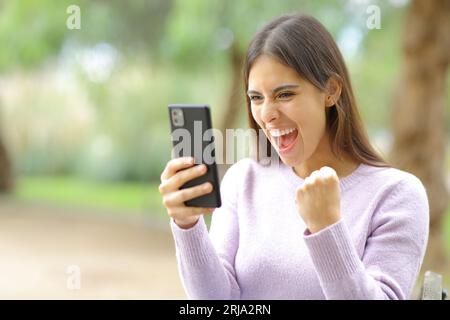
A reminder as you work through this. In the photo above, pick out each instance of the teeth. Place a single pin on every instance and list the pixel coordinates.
(278, 133)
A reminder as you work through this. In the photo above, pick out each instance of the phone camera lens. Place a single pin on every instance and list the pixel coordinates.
(177, 117)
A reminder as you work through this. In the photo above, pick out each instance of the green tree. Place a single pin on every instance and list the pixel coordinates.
(33, 32)
(30, 31)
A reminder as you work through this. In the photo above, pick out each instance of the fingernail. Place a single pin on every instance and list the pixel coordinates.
(201, 168)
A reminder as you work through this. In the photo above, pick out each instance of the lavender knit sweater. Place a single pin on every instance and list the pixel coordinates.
(258, 247)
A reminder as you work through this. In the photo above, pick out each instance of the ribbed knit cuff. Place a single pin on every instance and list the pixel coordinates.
(333, 253)
(193, 244)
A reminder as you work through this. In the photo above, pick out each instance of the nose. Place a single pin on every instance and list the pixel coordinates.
(269, 112)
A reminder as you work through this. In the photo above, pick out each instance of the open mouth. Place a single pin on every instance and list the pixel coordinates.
(284, 139)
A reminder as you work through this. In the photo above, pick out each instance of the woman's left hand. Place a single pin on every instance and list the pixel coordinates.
(319, 199)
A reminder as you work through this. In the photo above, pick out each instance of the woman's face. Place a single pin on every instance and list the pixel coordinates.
(289, 109)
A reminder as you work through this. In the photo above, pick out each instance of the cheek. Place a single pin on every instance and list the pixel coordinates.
(253, 110)
(256, 115)
(311, 122)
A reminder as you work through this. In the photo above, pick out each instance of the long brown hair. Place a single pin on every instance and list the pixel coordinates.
(304, 44)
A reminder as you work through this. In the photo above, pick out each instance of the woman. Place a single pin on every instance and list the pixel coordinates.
(332, 221)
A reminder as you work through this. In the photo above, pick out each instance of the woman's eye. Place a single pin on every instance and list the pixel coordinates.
(255, 98)
(285, 95)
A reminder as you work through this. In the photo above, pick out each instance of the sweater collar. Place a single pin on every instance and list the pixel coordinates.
(361, 172)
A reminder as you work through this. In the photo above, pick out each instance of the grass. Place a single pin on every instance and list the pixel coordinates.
(79, 193)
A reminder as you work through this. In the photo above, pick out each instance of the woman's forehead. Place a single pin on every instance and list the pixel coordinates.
(268, 73)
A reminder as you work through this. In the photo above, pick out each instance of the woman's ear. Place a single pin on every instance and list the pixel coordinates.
(333, 91)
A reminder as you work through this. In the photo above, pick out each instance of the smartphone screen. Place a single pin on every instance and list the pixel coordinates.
(192, 136)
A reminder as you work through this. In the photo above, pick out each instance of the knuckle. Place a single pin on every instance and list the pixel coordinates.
(189, 193)
(194, 172)
(197, 191)
(185, 195)
(315, 173)
(177, 179)
(300, 191)
(330, 177)
(188, 174)
(170, 163)
(319, 180)
(328, 171)
(168, 201)
(309, 187)
(192, 192)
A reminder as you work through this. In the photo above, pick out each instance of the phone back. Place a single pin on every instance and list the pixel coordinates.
(192, 137)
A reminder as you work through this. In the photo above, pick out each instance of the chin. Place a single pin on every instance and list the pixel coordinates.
(293, 159)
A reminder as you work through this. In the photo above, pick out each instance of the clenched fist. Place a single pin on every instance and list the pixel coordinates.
(319, 199)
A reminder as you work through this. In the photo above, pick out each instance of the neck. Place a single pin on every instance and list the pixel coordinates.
(323, 156)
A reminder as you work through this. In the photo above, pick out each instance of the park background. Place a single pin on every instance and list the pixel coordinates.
(84, 133)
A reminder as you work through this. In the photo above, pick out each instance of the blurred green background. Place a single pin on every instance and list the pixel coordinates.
(83, 112)
(87, 108)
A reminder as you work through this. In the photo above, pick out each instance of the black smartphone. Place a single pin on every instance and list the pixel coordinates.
(192, 136)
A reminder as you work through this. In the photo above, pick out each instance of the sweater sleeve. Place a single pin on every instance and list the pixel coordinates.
(206, 260)
(393, 254)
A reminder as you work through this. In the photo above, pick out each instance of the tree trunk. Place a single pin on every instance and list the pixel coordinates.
(5, 170)
(235, 100)
(419, 111)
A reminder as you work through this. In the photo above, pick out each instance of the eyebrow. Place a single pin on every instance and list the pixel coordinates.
(279, 88)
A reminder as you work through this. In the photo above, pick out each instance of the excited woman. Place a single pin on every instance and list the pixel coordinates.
(331, 221)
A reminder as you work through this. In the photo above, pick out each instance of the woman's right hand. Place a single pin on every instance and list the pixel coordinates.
(176, 173)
